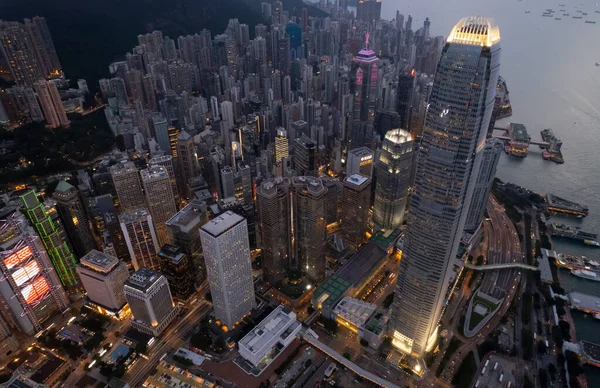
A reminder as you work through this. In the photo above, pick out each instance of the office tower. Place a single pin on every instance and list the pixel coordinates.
(333, 199)
(138, 230)
(160, 199)
(18, 54)
(299, 128)
(365, 96)
(103, 277)
(31, 290)
(75, 218)
(52, 106)
(227, 257)
(127, 185)
(161, 132)
(176, 267)
(448, 162)
(483, 184)
(393, 179)
(53, 240)
(106, 226)
(150, 301)
(281, 145)
(166, 161)
(227, 114)
(354, 212)
(273, 202)
(404, 93)
(8, 342)
(368, 10)
(309, 228)
(360, 161)
(187, 156)
(237, 183)
(305, 157)
(184, 232)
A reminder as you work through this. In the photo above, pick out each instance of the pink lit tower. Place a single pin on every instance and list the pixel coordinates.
(364, 97)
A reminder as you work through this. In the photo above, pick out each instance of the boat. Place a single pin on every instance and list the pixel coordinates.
(546, 155)
(566, 14)
(597, 11)
(584, 14)
(591, 21)
(597, 63)
(527, 11)
(577, 17)
(582, 273)
(592, 243)
(547, 15)
(557, 19)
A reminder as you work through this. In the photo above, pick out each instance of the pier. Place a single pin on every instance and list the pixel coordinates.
(591, 353)
(517, 142)
(571, 232)
(560, 205)
(587, 303)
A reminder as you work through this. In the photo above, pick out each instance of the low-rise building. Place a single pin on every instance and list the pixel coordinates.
(272, 335)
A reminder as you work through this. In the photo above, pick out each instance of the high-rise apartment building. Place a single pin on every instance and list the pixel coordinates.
(356, 198)
(176, 267)
(160, 199)
(368, 10)
(360, 161)
(52, 106)
(140, 237)
(52, 237)
(448, 163)
(393, 179)
(365, 96)
(39, 35)
(305, 157)
(31, 291)
(126, 179)
(281, 145)
(227, 257)
(103, 277)
(168, 163)
(150, 301)
(75, 219)
(483, 184)
(310, 230)
(275, 225)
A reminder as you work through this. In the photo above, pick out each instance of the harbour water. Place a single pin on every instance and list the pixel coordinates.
(549, 67)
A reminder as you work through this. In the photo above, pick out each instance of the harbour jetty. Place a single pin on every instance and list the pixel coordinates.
(557, 204)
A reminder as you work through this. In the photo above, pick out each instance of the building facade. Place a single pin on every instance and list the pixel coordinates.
(75, 218)
(356, 197)
(138, 230)
(176, 267)
(160, 199)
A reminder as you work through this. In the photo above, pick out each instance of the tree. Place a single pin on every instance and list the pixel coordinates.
(347, 355)
(364, 342)
(310, 310)
(141, 347)
(552, 370)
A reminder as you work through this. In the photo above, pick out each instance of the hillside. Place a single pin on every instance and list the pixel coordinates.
(88, 35)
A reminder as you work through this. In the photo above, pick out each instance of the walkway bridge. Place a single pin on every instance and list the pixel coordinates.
(507, 138)
(492, 267)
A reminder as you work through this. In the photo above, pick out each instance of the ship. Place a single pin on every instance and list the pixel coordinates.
(591, 21)
(582, 273)
(577, 17)
(557, 19)
(584, 14)
(527, 11)
(572, 232)
(592, 243)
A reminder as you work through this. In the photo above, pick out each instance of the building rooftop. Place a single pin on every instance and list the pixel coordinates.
(268, 328)
(362, 151)
(222, 223)
(99, 261)
(368, 257)
(63, 186)
(331, 291)
(134, 215)
(172, 252)
(142, 279)
(475, 31)
(189, 216)
(398, 136)
(357, 180)
(153, 172)
(519, 133)
(354, 310)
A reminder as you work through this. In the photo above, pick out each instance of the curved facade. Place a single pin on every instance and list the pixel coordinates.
(448, 162)
(393, 178)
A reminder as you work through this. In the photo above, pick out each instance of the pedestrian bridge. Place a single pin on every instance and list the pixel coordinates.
(492, 267)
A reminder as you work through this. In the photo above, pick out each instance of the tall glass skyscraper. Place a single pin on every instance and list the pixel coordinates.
(448, 162)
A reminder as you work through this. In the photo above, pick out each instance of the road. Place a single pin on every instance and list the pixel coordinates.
(172, 338)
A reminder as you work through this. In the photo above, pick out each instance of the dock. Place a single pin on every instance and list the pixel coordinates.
(560, 205)
(587, 303)
(517, 142)
(591, 353)
(571, 232)
(552, 151)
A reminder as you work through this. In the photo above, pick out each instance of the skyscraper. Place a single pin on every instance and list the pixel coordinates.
(52, 106)
(227, 257)
(368, 10)
(310, 231)
(140, 237)
(126, 179)
(31, 290)
(483, 184)
(75, 218)
(176, 267)
(365, 96)
(356, 198)
(406, 84)
(167, 162)
(360, 161)
(273, 206)
(51, 235)
(305, 157)
(281, 146)
(160, 199)
(150, 301)
(393, 179)
(103, 277)
(39, 34)
(448, 163)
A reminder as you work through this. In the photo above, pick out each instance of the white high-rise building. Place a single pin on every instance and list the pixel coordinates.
(138, 230)
(448, 162)
(150, 301)
(227, 257)
(126, 179)
(227, 114)
(103, 277)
